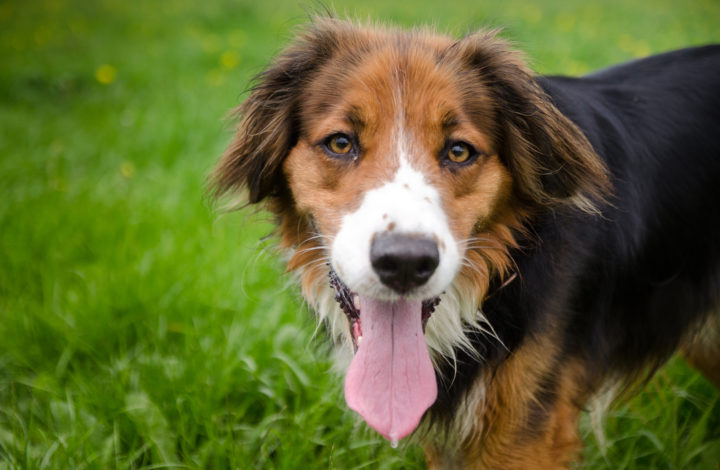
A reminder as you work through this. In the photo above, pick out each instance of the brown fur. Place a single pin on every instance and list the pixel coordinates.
(511, 434)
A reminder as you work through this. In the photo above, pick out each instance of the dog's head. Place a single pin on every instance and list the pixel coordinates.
(400, 166)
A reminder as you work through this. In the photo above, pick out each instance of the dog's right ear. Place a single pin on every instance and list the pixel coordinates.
(269, 123)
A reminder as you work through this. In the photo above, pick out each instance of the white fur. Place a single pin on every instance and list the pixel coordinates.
(407, 204)
(413, 208)
(598, 406)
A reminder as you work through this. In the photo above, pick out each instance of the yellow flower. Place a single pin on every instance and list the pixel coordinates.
(229, 59)
(105, 74)
(127, 169)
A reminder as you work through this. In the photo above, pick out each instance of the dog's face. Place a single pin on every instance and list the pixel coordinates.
(395, 166)
(402, 165)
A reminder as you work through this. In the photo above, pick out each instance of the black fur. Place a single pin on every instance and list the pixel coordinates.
(624, 286)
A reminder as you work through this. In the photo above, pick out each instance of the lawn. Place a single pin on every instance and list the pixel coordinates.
(141, 328)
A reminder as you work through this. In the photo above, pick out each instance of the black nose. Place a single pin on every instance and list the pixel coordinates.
(403, 261)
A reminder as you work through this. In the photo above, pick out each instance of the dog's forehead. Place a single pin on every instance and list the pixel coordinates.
(399, 82)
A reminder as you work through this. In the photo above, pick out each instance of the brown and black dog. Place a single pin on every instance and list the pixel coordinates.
(494, 247)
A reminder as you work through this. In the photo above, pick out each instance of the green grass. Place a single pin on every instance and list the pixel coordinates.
(138, 328)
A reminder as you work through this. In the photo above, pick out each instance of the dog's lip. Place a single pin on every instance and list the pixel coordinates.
(349, 302)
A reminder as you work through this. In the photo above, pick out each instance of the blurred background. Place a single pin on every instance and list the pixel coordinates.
(139, 328)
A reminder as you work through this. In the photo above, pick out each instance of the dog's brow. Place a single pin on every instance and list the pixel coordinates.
(354, 117)
(449, 121)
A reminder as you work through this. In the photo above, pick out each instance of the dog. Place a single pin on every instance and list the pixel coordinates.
(491, 248)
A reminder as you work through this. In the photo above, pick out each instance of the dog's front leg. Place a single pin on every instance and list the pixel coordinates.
(525, 415)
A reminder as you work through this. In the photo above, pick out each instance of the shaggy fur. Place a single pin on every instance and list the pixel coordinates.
(587, 224)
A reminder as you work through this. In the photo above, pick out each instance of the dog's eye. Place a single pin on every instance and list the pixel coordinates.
(459, 152)
(339, 145)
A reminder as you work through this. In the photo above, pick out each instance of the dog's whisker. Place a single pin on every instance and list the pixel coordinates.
(316, 263)
(311, 249)
(490, 331)
(482, 270)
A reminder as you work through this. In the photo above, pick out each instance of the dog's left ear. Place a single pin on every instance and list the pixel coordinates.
(548, 155)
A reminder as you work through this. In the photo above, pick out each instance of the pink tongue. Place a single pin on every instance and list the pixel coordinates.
(391, 381)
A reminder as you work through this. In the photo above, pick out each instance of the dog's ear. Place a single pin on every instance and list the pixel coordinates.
(550, 158)
(268, 119)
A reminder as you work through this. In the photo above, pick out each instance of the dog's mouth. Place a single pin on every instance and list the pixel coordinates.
(350, 304)
(391, 381)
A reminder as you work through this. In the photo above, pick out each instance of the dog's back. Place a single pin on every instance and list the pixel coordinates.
(655, 253)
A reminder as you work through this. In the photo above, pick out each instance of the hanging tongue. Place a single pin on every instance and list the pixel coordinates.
(391, 381)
